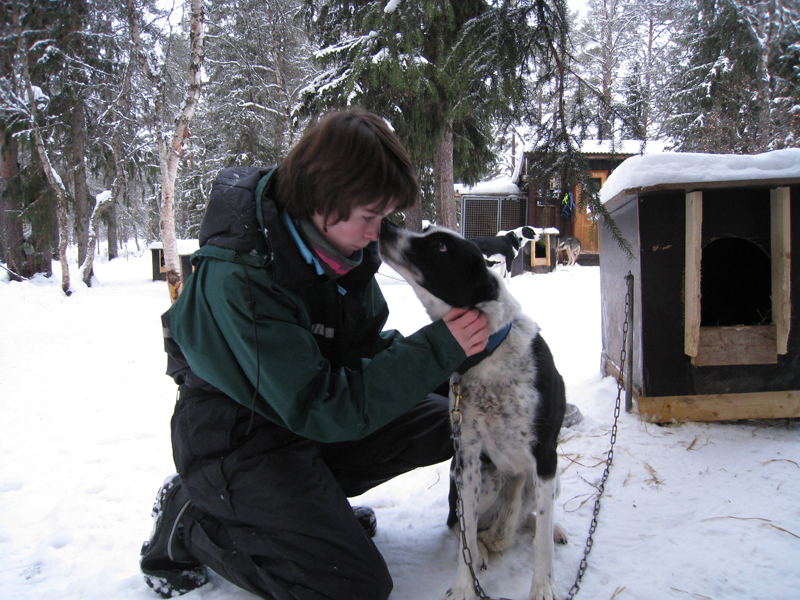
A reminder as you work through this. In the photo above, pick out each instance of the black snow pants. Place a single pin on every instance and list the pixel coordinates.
(269, 509)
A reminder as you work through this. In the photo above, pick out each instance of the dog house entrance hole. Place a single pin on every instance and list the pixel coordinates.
(735, 284)
(540, 248)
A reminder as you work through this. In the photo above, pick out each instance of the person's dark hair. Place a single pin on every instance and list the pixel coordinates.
(347, 159)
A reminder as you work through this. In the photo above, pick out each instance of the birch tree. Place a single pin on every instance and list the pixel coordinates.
(170, 143)
(31, 102)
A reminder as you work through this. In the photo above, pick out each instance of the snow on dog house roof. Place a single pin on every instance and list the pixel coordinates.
(686, 170)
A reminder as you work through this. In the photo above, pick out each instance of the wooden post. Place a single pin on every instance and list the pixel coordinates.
(694, 254)
(629, 349)
(781, 250)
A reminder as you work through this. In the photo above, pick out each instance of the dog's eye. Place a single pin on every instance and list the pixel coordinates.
(441, 247)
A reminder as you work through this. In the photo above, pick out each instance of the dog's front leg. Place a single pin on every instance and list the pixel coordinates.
(543, 586)
(469, 490)
(503, 531)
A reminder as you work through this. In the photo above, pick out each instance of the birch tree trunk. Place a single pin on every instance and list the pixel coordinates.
(444, 180)
(118, 180)
(105, 201)
(53, 178)
(83, 206)
(170, 154)
(169, 146)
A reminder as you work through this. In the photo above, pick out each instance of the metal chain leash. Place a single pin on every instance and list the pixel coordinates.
(455, 417)
(401, 280)
(610, 456)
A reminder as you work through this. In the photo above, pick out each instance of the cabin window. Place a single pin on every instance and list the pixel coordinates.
(737, 303)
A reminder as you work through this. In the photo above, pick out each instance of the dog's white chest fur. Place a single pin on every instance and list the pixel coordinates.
(496, 400)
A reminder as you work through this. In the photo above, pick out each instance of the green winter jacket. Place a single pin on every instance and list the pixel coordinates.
(256, 313)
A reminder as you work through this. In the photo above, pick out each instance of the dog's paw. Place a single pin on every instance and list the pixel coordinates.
(559, 535)
(543, 590)
(460, 593)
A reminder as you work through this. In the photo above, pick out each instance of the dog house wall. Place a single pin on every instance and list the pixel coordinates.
(654, 222)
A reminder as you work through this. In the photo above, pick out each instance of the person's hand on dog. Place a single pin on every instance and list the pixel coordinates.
(470, 327)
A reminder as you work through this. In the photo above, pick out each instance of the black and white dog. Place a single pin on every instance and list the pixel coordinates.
(504, 247)
(512, 404)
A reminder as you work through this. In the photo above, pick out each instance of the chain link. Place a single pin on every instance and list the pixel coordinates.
(610, 456)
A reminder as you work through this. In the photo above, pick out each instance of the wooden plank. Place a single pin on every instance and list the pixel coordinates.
(721, 407)
(694, 254)
(737, 345)
(781, 250)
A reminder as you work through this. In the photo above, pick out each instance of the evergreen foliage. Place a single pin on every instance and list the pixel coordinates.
(701, 75)
(737, 81)
(434, 66)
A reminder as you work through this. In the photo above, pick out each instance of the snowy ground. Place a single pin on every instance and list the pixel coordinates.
(690, 511)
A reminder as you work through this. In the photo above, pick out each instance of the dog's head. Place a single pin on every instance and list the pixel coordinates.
(444, 269)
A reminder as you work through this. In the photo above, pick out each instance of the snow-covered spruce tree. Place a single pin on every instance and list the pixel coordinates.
(30, 232)
(774, 30)
(736, 88)
(12, 237)
(442, 72)
(257, 61)
(79, 63)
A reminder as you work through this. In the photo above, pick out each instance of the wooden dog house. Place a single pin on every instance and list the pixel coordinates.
(185, 250)
(716, 293)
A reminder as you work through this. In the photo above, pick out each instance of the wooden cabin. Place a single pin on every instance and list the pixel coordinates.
(716, 293)
(546, 207)
(505, 204)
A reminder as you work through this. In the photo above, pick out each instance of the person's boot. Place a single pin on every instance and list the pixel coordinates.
(166, 563)
(366, 517)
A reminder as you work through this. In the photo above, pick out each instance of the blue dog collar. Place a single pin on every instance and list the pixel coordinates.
(492, 343)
